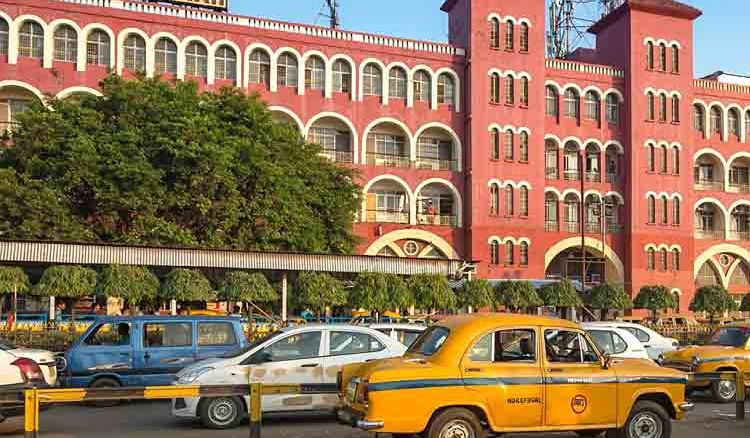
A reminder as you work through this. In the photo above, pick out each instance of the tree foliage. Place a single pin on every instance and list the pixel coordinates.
(399, 294)
(654, 298)
(517, 295)
(475, 293)
(714, 300)
(370, 292)
(610, 297)
(66, 281)
(186, 285)
(157, 163)
(134, 284)
(432, 292)
(318, 290)
(246, 287)
(560, 294)
(13, 279)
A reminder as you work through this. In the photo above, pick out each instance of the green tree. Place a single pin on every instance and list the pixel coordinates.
(714, 300)
(517, 295)
(186, 285)
(561, 294)
(399, 294)
(247, 287)
(13, 280)
(608, 296)
(476, 294)
(432, 292)
(318, 290)
(654, 298)
(745, 306)
(136, 285)
(66, 281)
(370, 292)
(157, 163)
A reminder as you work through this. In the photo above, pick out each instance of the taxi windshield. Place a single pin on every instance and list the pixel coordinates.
(730, 336)
(430, 341)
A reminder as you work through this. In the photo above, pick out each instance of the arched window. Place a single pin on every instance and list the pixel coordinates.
(747, 125)
(446, 89)
(98, 48)
(675, 109)
(523, 254)
(663, 159)
(509, 35)
(495, 88)
(650, 55)
(524, 38)
(675, 59)
(523, 202)
(662, 107)
(4, 37)
(523, 147)
(593, 106)
(422, 86)
(676, 211)
(650, 259)
(196, 60)
(342, 77)
(716, 122)
(226, 64)
(315, 73)
(613, 109)
(651, 109)
(550, 213)
(286, 69)
(165, 56)
(66, 44)
(651, 209)
(510, 91)
(495, 253)
(551, 101)
(524, 94)
(31, 40)
(675, 259)
(372, 80)
(699, 118)
(495, 33)
(134, 53)
(675, 160)
(259, 69)
(494, 199)
(495, 140)
(733, 119)
(572, 103)
(663, 259)
(651, 158)
(664, 210)
(509, 209)
(508, 253)
(663, 57)
(397, 83)
(509, 146)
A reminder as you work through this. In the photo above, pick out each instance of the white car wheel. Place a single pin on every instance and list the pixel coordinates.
(221, 412)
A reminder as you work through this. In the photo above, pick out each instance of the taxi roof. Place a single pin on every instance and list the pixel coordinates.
(479, 321)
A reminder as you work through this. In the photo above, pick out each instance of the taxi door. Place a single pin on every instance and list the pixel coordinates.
(579, 391)
(504, 367)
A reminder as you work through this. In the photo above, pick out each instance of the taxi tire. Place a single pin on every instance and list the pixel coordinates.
(646, 406)
(104, 382)
(454, 414)
(716, 394)
(207, 404)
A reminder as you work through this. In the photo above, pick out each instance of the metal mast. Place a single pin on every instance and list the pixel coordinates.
(333, 13)
(570, 19)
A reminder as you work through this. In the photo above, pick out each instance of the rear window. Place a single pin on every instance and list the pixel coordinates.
(216, 334)
(173, 334)
(430, 342)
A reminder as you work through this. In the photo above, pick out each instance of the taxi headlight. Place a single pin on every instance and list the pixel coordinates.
(192, 376)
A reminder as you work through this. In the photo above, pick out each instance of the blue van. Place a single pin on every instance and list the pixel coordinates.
(147, 350)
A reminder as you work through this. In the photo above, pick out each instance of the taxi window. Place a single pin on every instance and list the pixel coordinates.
(563, 346)
(430, 342)
(638, 333)
(345, 343)
(608, 341)
(505, 346)
(407, 337)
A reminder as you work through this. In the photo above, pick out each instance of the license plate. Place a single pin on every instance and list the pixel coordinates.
(351, 391)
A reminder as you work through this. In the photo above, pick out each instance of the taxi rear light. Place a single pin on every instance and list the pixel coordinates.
(363, 392)
(30, 370)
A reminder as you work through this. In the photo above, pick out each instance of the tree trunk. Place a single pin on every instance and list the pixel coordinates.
(2, 305)
(604, 315)
(73, 314)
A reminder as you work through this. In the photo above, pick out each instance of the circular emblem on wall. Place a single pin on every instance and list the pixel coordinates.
(725, 260)
(411, 248)
(579, 404)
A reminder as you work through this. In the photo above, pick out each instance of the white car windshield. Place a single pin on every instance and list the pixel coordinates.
(252, 345)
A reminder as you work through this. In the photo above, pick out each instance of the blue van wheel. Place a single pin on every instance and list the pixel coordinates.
(221, 412)
(102, 383)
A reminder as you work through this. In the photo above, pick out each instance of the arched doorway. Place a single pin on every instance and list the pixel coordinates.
(566, 260)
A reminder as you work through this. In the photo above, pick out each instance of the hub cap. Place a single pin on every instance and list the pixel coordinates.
(727, 389)
(645, 425)
(222, 412)
(457, 429)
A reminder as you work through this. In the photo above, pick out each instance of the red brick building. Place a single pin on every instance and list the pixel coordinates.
(471, 150)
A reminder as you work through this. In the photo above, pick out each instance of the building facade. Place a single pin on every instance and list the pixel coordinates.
(481, 149)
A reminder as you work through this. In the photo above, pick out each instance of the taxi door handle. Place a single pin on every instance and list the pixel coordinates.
(473, 370)
(554, 370)
(309, 365)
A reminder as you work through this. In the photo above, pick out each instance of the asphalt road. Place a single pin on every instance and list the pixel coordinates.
(153, 420)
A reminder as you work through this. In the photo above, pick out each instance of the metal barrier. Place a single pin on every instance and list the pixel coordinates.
(740, 388)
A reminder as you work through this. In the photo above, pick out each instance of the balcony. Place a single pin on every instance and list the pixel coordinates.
(444, 220)
(436, 163)
(740, 187)
(613, 178)
(709, 185)
(551, 173)
(572, 175)
(705, 233)
(614, 228)
(572, 227)
(338, 156)
(389, 160)
(593, 177)
(593, 227)
(739, 235)
(387, 216)
(552, 226)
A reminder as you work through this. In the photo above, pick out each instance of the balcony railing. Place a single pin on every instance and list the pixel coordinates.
(614, 228)
(338, 156)
(572, 227)
(551, 173)
(739, 235)
(703, 233)
(552, 225)
(572, 175)
(706, 185)
(740, 187)
(593, 227)
(446, 220)
(387, 216)
(593, 177)
(390, 160)
(436, 163)
(613, 178)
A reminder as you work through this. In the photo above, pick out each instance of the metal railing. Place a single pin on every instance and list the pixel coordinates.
(389, 160)
(593, 177)
(572, 175)
(709, 186)
(552, 225)
(739, 235)
(613, 178)
(387, 216)
(740, 187)
(449, 220)
(593, 227)
(572, 227)
(551, 173)
(338, 156)
(436, 163)
(701, 233)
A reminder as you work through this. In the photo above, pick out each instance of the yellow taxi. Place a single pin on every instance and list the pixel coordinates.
(473, 375)
(727, 350)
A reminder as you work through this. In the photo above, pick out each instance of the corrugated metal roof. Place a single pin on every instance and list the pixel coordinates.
(104, 254)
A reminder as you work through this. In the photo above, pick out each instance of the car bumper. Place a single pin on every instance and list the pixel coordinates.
(686, 407)
(185, 407)
(352, 418)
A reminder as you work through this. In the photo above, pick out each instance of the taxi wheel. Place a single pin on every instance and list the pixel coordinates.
(221, 412)
(648, 420)
(724, 391)
(104, 383)
(455, 423)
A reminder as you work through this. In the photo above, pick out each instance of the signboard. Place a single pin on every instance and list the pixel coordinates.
(219, 5)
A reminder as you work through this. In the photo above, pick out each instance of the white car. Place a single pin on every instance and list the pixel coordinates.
(403, 333)
(309, 354)
(616, 342)
(23, 368)
(655, 343)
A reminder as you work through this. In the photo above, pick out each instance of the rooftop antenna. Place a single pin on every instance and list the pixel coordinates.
(569, 21)
(333, 13)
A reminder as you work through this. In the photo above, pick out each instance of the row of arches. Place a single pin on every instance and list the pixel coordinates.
(715, 221)
(593, 98)
(664, 252)
(503, 198)
(661, 160)
(601, 212)
(664, 59)
(572, 158)
(725, 121)
(503, 251)
(510, 23)
(713, 172)
(658, 208)
(661, 103)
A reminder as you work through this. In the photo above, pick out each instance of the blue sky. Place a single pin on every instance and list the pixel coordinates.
(721, 33)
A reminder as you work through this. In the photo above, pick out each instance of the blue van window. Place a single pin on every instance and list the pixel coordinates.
(172, 334)
(216, 333)
(112, 333)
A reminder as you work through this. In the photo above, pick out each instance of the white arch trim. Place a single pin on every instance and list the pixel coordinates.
(292, 115)
(591, 243)
(458, 147)
(438, 242)
(388, 177)
(616, 144)
(554, 191)
(85, 32)
(616, 195)
(456, 85)
(341, 118)
(391, 120)
(714, 250)
(456, 195)
(25, 86)
(352, 68)
(237, 53)
(73, 90)
(616, 92)
(121, 36)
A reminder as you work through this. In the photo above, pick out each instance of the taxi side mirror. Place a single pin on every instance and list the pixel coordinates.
(606, 360)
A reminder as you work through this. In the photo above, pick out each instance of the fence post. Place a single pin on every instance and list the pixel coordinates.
(31, 414)
(740, 390)
(255, 410)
